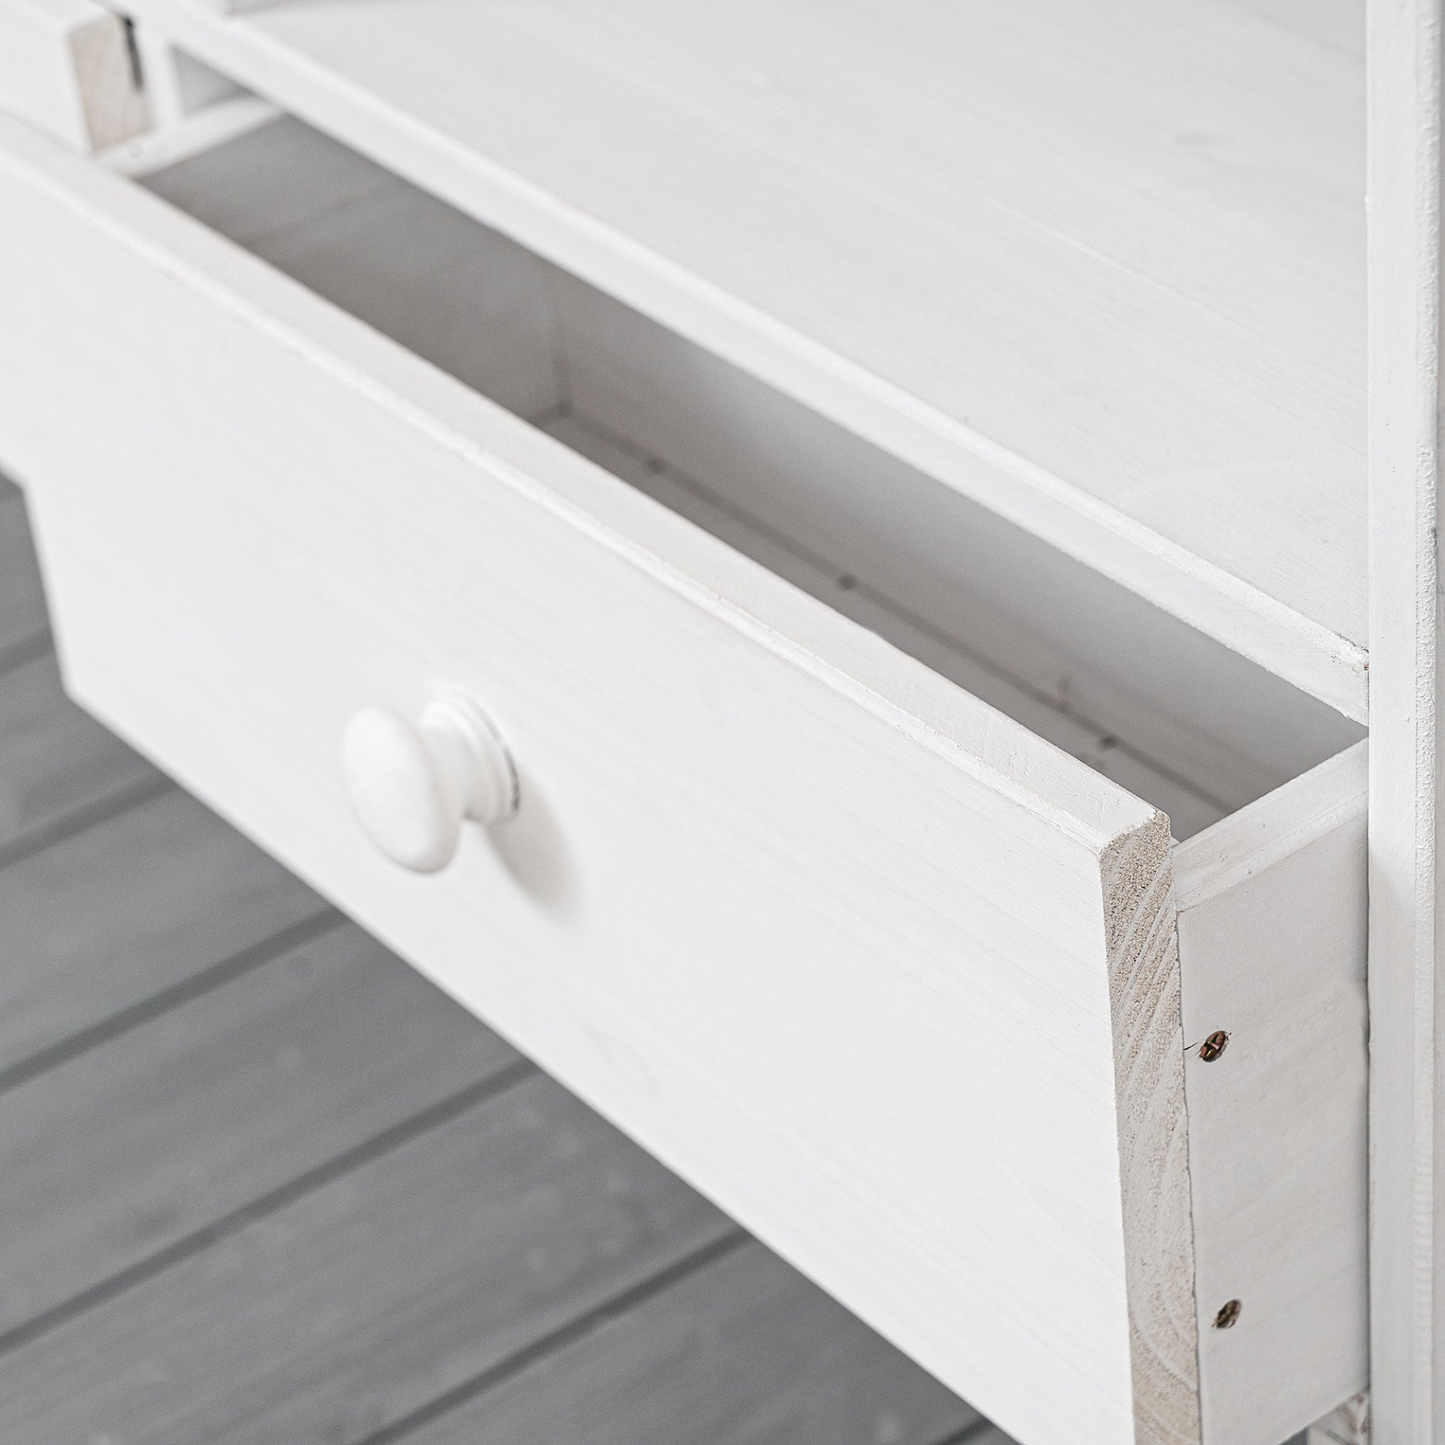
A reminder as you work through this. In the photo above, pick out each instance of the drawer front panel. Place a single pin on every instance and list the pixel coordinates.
(861, 957)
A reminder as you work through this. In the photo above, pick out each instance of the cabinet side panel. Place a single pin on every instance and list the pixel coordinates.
(1272, 915)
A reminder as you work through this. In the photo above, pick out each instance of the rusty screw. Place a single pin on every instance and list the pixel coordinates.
(1213, 1046)
(1229, 1312)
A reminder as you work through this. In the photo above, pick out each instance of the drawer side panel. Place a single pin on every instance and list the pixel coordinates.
(1272, 906)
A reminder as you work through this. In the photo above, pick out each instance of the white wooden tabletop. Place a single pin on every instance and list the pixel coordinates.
(1100, 267)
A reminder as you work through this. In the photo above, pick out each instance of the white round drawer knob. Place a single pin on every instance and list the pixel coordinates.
(413, 786)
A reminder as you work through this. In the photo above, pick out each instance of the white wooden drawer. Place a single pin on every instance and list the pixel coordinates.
(894, 978)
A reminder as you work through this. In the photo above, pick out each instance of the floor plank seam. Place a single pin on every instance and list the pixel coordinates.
(574, 1330)
(144, 1010)
(29, 648)
(78, 820)
(257, 1209)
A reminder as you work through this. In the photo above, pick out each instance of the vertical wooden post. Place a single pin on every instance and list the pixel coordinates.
(1407, 1147)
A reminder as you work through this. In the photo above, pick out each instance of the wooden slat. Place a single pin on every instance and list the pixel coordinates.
(216, 1103)
(58, 766)
(22, 603)
(140, 903)
(354, 1306)
(740, 1351)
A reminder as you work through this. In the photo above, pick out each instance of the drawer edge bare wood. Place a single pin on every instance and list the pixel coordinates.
(1144, 989)
(67, 67)
(1346, 1424)
(324, 522)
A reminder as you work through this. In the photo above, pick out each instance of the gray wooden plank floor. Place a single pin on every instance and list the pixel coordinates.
(261, 1182)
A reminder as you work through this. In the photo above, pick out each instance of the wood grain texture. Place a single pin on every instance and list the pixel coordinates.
(917, 867)
(1407, 1219)
(739, 1351)
(361, 1302)
(1346, 1424)
(65, 67)
(58, 766)
(216, 1103)
(149, 1148)
(1277, 1121)
(1042, 263)
(162, 892)
(1143, 961)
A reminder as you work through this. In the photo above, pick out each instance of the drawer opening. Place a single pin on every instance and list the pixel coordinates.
(1143, 698)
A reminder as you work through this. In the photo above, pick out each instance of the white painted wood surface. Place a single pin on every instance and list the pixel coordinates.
(1099, 268)
(65, 66)
(1277, 1120)
(1407, 1226)
(690, 732)
(1169, 714)
(415, 785)
(1338, 23)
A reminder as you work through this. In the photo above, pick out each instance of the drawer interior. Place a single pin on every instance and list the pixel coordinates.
(1169, 714)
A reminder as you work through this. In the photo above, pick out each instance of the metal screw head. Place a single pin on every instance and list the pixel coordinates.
(1229, 1312)
(1213, 1046)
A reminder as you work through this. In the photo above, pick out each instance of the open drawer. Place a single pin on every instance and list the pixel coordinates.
(834, 879)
